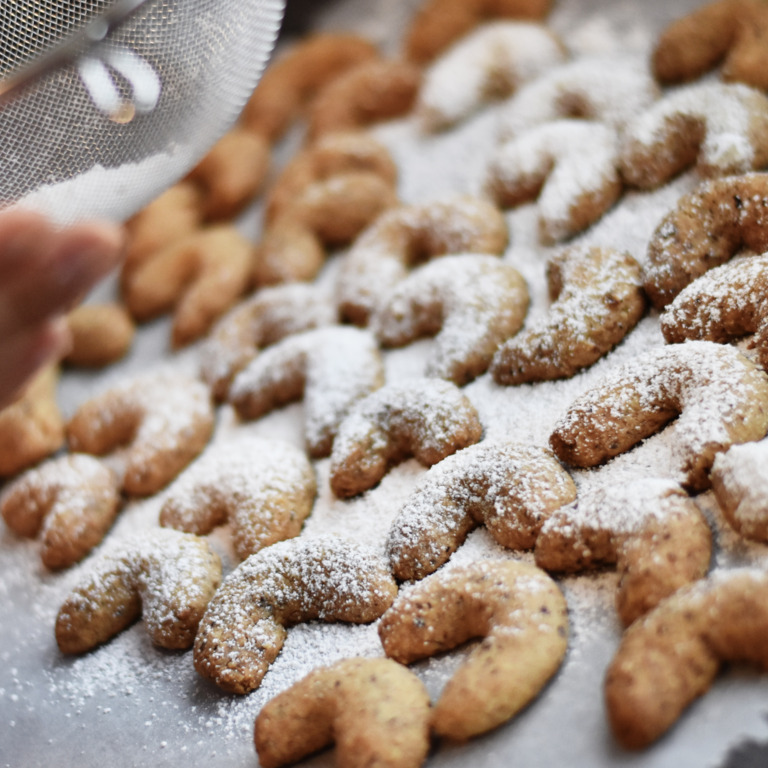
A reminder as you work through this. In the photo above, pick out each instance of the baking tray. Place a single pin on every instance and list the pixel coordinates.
(129, 703)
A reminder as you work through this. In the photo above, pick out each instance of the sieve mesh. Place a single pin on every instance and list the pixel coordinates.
(61, 154)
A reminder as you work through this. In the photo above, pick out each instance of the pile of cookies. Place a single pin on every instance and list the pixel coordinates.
(517, 291)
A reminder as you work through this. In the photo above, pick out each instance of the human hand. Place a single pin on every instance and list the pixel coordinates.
(44, 272)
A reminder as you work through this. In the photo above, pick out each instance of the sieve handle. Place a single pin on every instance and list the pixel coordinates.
(71, 48)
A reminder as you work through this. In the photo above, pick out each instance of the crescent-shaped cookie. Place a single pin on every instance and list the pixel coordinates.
(331, 368)
(651, 529)
(375, 710)
(264, 489)
(720, 398)
(597, 299)
(470, 302)
(706, 228)
(322, 578)
(404, 236)
(70, 502)
(425, 418)
(569, 166)
(671, 656)
(265, 318)
(162, 420)
(164, 576)
(509, 487)
(721, 128)
(520, 615)
(489, 63)
(725, 303)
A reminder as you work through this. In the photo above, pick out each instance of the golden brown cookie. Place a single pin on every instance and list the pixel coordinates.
(164, 576)
(232, 173)
(720, 128)
(439, 23)
(199, 277)
(334, 153)
(471, 303)
(650, 528)
(371, 92)
(509, 487)
(725, 303)
(733, 33)
(488, 64)
(162, 420)
(70, 502)
(264, 489)
(265, 318)
(606, 89)
(671, 656)
(708, 226)
(569, 166)
(515, 608)
(296, 75)
(326, 214)
(321, 578)
(597, 299)
(31, 427)
(101, 334)
(375, 710)
(740, 487)
(170, 217)
(331, 368)
(715, 395)
(410, 234)
(428, 419)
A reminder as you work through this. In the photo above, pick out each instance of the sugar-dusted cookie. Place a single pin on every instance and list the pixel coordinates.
(331, 368)
(371, 92)
(723, 304)
(607, 89)
(490, 63)
(672, 655)
(470, 302)
(296, 75)
(509, 487)
(404, 236)
(265, 318)
(425, 418)
(101, 334)
(704, 230)
(740, 485)
(199, 277)
(321, 578)
(650, 528)
(70, 502)
(720, 128)
(716, 396)
(728, 32)
(439, 23)
(571, 167)
(597, 299)
(164, 576)
(515, 608)
(375, 710)
(264, 489)
(162, 420)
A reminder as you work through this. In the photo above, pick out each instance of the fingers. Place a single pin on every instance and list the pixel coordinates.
(44, 272)
(22, 355)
